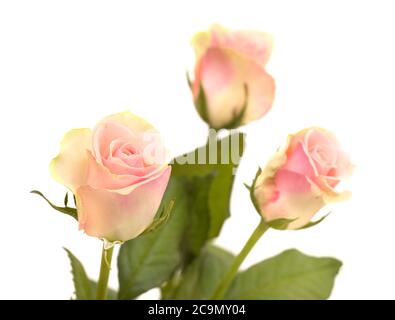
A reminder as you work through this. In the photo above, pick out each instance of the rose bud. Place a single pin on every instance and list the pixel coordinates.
(118, 174)
(231, 86)
(301, 179)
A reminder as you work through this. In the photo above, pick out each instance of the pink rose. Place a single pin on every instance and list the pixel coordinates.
(230, 69)
(301, 178)
(118, 174)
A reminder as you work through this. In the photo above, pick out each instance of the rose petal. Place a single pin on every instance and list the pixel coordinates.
(344, 167)
(119, 166)
(134, 123)
(117, 217)
(297, 199)
(70, 167)
(201, 41)
(322, 148)
(253, 44)
(274, 164)
(319, 136)
(223, 88)
(223, 75)
(330, 195)
(299, 162)
(261, 89)
(104, 134)
(291, 182)
(100, 177)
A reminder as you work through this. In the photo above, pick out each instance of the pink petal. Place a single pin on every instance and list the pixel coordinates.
(117, 217)
(291, 182)
(344, 166)
(253, 44)
(119, 166)
(261, 90)
(223, 87)
(223, 75)
(105, 134)
(100, 177)
(323, 149)
(296, 199)
(135, 124)
(299, 162)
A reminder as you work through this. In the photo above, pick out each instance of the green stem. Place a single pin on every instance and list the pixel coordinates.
(105, 268)
(229, 276)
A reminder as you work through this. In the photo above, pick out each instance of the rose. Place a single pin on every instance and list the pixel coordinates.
(230, 74)
(301, 178)
(118, 174)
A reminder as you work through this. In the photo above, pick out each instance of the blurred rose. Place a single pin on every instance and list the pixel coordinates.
(230, 69)
(118, 174)
(301, 178)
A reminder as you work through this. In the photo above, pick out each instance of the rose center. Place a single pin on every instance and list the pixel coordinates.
(128, 151)
(124, 151)
(323, 155)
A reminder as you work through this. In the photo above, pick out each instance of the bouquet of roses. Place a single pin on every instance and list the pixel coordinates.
(165, 213)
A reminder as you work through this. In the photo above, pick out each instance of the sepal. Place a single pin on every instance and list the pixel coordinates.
(313, 223)
(161, 220)
(72, 212)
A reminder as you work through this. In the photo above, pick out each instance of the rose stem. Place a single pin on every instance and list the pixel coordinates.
(105, 268)
(229, 276)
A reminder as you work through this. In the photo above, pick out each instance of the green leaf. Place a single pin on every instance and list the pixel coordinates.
(221, 187)
(203, 275)
(85, 288)
(82, 284)
(149, 260)
(290, 275)
(66, 210)
(197, 229)
(209, 186)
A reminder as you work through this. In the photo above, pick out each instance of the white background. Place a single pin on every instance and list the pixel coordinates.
(67, 64)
